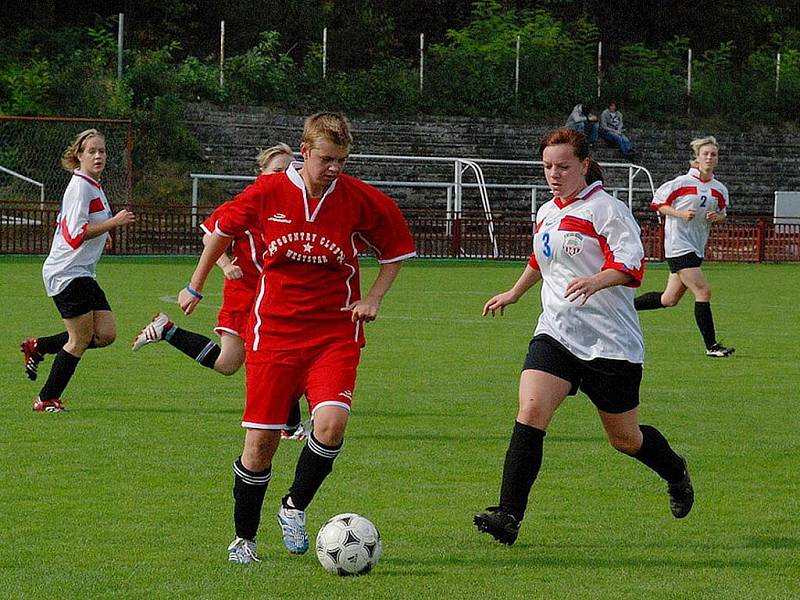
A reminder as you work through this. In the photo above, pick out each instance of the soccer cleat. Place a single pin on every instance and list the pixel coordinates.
(32, 358)
(681, 494)
(293, 524)
(51, 406)
(242, 551)
(153, 332)
(719, 351)
(299, 433)
(501, 525)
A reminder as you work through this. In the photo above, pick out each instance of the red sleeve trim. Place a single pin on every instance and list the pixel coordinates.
(587, 228)
(76, 241)
(96, 205)
(720, 198)
(683, 191)
(533, 263)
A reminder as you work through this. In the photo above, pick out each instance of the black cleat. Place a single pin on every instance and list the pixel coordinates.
(32, 357)
(502, 526)
(719, 351)
(681, 494)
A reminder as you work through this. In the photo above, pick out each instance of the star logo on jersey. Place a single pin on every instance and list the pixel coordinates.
(280, 218)
(308, 248)
(573, 244)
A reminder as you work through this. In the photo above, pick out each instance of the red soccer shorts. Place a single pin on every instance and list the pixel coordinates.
(277, 378)
(234, 315)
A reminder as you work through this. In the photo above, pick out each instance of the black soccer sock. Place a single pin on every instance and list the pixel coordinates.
(648, 301)
(249, 488)
(657, 454)
(294, 418)
(705, 322)
(194, 345)
(522, 464)
(313, 466)
(64, 366)
(51, 344)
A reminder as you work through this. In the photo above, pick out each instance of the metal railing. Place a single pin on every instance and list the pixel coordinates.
(39, 184)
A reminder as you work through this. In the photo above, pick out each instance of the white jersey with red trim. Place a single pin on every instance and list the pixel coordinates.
(310, 267)
(580, 238)
(71, 254)
(684, 192)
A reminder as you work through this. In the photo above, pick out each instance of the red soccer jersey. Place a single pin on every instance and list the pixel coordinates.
(310, 267)
(247, 249)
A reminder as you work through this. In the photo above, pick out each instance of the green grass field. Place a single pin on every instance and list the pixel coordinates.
(128, 495)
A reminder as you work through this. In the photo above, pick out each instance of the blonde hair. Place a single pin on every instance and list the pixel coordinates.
(70, 160)
(329, 126)
(698, 143)
(265, 156)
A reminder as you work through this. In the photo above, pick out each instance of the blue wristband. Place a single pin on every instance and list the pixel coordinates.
(193, 292)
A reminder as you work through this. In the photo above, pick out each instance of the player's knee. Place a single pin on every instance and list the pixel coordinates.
(668, 301)
(104, 338)
(329, 431)
(703, 294)
(627, 444)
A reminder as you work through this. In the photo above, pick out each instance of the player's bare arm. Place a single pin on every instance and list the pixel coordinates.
(190, 296)
(228, 266)
(367, 308)
(526, 281)
(584, 287)
(122, 218)
(687, 215)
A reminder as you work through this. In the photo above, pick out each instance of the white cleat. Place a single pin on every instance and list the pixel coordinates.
(300, 433)
(153, 332)
(293, 524)
(242, 551)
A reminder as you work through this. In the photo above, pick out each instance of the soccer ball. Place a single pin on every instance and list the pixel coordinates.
(349, 544)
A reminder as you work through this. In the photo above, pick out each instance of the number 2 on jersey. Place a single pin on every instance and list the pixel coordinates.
(548, 251)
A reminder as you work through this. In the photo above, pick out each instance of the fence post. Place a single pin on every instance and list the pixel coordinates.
(516, 71)
(689, 82)
(760, 231)
(421, 61)
(120, 38)
(324, 52)
(222, 54)
(455, 246)
(599, 65)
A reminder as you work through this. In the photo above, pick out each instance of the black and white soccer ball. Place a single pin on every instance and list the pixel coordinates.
(349, 544)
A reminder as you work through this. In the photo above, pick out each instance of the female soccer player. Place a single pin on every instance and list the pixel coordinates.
(69, 271)
(691, 203)
(588, 254)
(242, 274)
(307, 331)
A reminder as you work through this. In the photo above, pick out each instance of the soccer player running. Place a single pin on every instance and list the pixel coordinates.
(242, 274)
(308, 317)
(588, 254)
(691, 204)
(70, 271)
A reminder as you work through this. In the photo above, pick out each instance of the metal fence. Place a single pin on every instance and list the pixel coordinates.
(26, 228)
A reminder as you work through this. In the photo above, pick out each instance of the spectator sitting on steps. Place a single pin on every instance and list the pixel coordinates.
(611, 130)
(584, 119)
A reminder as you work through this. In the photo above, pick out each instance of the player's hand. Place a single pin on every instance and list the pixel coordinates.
(499, 302)
(713, 216)
(365, 309)
(187, 301)
(232, 271)
(689, 214)
(109, 243)
(582, 287)
(123, 217)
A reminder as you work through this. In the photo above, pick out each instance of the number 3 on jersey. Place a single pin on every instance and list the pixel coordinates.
(548, 251)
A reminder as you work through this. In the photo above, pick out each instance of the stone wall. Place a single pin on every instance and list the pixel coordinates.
(753, 165)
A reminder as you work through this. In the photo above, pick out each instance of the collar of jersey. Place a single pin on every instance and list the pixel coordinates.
(585, 194)
(96, 184)
(695, 172)
(297, 180)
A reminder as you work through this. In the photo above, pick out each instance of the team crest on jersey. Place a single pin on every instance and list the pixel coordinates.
(573, 244)
(279, 218)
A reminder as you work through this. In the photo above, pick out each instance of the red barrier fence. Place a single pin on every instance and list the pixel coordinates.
(28, 229)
